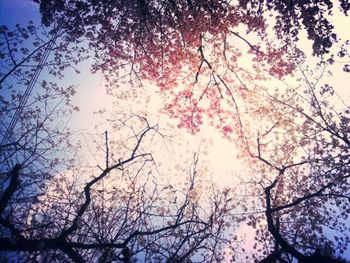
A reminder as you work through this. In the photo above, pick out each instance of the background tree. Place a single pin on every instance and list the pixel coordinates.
(190, 48)
(52, 209)
(28, 117)
(29, 125)
(120, 214)
(293, 139)
(299, 159)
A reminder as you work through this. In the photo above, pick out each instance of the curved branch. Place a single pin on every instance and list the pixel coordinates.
(89, 185)
(274, 231)
(12, 187)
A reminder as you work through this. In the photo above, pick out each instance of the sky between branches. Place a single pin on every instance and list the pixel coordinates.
(217, 152)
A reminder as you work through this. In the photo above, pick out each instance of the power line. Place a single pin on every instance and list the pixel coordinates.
(28, 90)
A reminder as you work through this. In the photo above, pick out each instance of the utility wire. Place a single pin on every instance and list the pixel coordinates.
(29, 90)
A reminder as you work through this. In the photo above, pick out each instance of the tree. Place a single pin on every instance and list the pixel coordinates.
(176, 22)
(293, 139)
(119, 214)
(29, 124)
(196, 52)
(189, 48)
(53, 210)
(28, 118)
(299, 159)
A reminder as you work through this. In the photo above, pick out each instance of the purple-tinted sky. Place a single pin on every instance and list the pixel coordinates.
(18, 11)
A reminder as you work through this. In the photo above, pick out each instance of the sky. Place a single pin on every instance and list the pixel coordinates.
(18, 11)
(91, 94)
(91, 97)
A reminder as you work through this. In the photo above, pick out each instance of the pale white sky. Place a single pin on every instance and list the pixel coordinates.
(219, 156)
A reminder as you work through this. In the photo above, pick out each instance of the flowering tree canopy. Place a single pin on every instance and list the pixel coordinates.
(196, 52)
